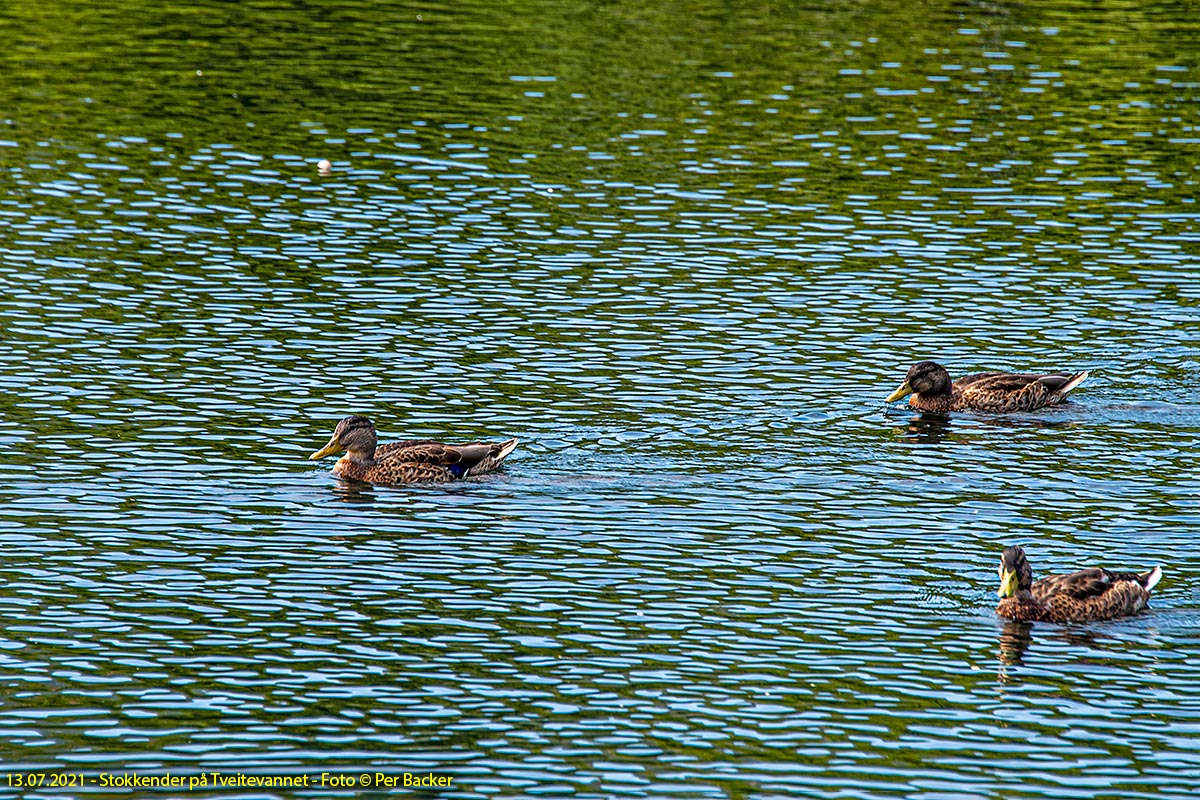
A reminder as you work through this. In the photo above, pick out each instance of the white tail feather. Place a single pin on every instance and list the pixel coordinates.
(1071, 384)
(1155, 577)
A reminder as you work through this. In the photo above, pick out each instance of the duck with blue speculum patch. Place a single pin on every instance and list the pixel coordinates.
(412, 461)
(997, 392)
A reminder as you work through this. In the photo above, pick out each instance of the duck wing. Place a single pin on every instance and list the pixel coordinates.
(1094, 594)
(1078, 585)
(384, 450)
(459, 460)
(1006, 391)
(968, 380)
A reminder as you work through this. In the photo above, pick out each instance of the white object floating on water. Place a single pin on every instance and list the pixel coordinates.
(324, 167)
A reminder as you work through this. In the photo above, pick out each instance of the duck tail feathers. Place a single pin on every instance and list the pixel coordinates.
(506, 448)
(1150, 579)
(1075, 380)
(495, 457)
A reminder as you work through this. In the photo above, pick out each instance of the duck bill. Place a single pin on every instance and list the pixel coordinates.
(904, 391)
(1008, 583)
(327, 450)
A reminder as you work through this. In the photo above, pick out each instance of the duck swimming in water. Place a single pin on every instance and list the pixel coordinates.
(998, 392)
(1090, 594)
(409, 461)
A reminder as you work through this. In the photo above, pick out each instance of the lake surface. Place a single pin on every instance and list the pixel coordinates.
(682, 252)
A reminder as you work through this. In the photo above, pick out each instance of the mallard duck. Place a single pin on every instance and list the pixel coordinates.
(999, 392)
(1089, 594)
(406, 462)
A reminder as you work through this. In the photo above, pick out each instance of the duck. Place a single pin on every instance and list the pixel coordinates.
(1084, 596)
(412, 461)
(998, 392)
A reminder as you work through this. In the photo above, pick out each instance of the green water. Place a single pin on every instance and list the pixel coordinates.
(682, 252)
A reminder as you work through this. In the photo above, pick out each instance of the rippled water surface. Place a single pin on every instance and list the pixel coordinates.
(682, 252)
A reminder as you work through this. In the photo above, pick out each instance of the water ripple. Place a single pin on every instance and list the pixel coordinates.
(686, 278)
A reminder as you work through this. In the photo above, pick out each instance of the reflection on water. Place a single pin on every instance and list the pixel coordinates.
(678, 251)
(928, 427)
(353, 491)
(1015, 639)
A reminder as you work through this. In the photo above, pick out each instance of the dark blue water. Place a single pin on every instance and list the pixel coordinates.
(682, 253)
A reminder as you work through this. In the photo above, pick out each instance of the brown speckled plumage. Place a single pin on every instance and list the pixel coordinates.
(997, 392)
(410, 461)
(1090, 594)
